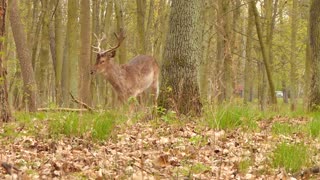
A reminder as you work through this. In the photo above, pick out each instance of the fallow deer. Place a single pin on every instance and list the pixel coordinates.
(130, 79)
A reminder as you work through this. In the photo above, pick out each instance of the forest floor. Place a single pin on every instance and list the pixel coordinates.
(279, 147)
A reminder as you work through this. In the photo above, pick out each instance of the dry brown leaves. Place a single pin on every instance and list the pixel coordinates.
(142, 151)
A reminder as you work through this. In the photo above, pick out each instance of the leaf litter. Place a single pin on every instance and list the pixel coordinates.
(146, 151)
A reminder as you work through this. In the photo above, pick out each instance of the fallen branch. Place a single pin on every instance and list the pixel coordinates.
(81, 103)
(8, 167)
(62, 109)
(305, 174)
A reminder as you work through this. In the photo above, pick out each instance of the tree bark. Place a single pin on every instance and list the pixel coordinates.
(179, 88)
(43, 65)
(248, 63)
(141, 14)
(5, 112)
(293, 63)
(70, 64)
(265, 53)
(24, 55)
(59, 45)
(314, 38)
(84, 64)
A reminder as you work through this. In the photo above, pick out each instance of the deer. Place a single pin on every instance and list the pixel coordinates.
(130, 79)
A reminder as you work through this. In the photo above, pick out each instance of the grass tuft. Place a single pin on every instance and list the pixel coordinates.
(232, 117)
(292, 157)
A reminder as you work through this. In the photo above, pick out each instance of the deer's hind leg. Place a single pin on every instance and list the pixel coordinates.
(155, 91)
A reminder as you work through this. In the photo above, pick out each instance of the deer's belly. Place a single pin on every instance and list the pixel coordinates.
(142, 84)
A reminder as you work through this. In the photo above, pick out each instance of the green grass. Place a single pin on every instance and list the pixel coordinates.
(292, 157)
(285, 128)
(97, 126)
(231, 117)
(244, 165)
(314, 128)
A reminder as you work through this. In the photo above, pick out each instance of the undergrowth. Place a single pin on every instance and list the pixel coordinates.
(292, 157)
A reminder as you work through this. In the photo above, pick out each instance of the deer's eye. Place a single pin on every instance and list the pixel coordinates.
(101, 61)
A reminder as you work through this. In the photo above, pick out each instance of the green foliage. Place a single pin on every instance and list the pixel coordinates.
(198, 140)
(96, 126)
(314, 127)
(231, 117)
(285, 128)
(167, 116)
(244, 165)
(292, 157)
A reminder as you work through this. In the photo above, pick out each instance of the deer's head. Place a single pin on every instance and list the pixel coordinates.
(104, 57)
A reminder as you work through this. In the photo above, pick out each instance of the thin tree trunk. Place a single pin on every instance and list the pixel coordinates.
(59, 45)
(248, 63)
(120, 25)
(5, 112)
(265, 54)
(293, 63)
(141, 14)
(42, 68)
(24, 55)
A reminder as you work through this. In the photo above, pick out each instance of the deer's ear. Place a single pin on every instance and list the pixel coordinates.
(112, 54)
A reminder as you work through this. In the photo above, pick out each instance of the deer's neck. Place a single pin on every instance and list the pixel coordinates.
(116, 76)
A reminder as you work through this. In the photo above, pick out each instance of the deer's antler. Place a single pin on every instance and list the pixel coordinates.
(99, 41)
(120, 37)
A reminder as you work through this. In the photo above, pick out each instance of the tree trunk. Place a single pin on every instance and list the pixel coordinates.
(265, 53)
(314, 38)
(43, 65)
(24, 55)
(70, 62)
(248, 63)
(120, 25)
(59, 45)
(179, 88)
(228, 88)
(5, 112)
(141, 14)
(84, 64)
(293, 63)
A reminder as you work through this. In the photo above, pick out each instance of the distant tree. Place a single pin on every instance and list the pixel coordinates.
(248, 64)
(179, 88)
(59, 44)
(265, 48)
(85, 48)
(293, 61)
(314, 95)
(24, 55)
(5, 113)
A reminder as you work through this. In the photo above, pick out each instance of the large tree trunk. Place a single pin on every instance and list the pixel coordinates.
(314, 95)
(24, 55)
(84, 63)
(5, 112)
(70, 64)
(179, 88)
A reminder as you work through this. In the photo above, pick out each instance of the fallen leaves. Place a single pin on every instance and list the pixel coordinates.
(148, 152)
